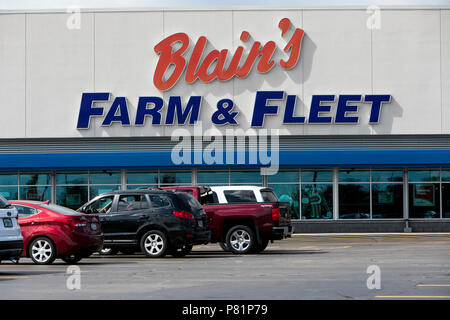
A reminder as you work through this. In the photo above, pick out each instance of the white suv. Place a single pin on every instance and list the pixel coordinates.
(11, 241)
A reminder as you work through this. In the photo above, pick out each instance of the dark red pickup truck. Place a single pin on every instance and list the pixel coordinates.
(242, 219)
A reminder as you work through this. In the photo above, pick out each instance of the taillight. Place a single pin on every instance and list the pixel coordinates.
(183, 214)
(275, 214)
(78, 223)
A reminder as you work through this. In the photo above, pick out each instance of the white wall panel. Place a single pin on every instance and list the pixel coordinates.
(60, 64)
(12, 76)
(337, 61)
(406, 64)
(124, 64)
(46, 67)
(445, 70)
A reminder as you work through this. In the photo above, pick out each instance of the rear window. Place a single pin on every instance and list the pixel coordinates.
(239, 196)
(189, 201)
(4, 203)
(268, 196)
(208, 197)
(159, 201)
(59, 209)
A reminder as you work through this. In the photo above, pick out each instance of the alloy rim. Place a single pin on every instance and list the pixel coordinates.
(154, 244)
(41, 251)
(240, 240)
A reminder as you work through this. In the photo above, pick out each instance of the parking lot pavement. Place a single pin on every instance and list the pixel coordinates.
(333, 266)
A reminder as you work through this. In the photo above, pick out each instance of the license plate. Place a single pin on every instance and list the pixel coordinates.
(94, 227)
(200, 223)
(7, 222)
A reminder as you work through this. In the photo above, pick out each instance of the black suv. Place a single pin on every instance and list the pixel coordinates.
(154, 221)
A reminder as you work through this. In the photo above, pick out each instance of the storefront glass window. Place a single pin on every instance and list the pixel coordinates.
(387, 176)
(423, 175)
(387, 200)
(354, 201)
(40, 193)
(142, 178)
(35, 186)
(246, 177)
(72, 196)
(317, 201)
(288, 193)
(141, 186)
(354, 194)
(354, 176)
(285, 185)
(445, 174)
(424, 200)
(72, 178)
(213, 177)
(446, 200)
(35, 179)
(105, 178)
(9, 186)
(97, 190)
(284, 176)
(9, 179)
(10, 193)
(171, 178)
(316, 176)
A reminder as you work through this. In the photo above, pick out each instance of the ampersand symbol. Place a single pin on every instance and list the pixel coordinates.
(223, 115)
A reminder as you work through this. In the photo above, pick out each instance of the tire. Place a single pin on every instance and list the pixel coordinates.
(72, 259)
(241, 240)
(108, 251)
(224, 247)
(154, 244)
(42, 251)
(260, 247)
(181, 252)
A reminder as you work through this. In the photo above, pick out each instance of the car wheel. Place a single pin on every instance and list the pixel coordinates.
(224, 247)
(108, 251)
(181, 252)
(154, 244)
(260, 247)
(42, 251)
(72, 259)
(240, 239)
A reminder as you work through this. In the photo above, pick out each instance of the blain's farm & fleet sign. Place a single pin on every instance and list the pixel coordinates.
(213, 68)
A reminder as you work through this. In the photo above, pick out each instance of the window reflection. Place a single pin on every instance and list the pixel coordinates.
(354, 201)
(317, 201)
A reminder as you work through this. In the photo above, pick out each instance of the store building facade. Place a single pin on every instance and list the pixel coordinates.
(94, 101)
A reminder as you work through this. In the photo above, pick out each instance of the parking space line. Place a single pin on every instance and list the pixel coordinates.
(12, 277)
(433, 285)
(413, 297)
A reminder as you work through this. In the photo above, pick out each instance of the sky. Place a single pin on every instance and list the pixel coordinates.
(62, 4)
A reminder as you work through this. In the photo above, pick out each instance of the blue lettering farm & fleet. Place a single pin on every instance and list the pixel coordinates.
(150, 108)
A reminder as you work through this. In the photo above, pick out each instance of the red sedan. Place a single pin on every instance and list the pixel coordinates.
(50, 231)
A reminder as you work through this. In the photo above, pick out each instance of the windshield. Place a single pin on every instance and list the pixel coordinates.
(59, 209)
(4, 203)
